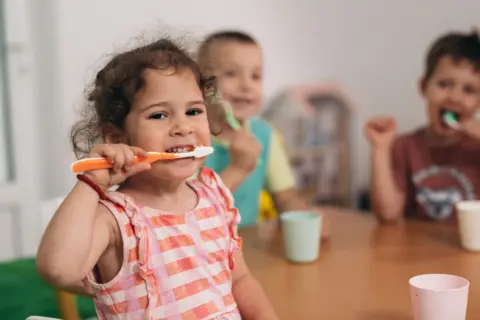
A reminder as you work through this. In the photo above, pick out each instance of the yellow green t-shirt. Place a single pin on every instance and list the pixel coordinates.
(279, 174)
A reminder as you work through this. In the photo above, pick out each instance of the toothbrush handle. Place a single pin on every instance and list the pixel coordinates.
(89, 164)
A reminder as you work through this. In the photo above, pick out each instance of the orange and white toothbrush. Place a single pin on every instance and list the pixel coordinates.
(88, 164)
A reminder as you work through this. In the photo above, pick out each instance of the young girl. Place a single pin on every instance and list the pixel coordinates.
(161, 246)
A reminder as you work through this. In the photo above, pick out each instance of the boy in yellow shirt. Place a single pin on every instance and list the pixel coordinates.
(252, 158)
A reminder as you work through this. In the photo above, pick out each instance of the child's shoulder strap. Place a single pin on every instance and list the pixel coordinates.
(215, 185)
(119, 204)
(211, 180)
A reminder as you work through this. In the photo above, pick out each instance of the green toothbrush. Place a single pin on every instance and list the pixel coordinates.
(229, 116)
(215, 98)
(451, 120)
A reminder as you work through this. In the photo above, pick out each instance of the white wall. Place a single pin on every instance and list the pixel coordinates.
(375, 48)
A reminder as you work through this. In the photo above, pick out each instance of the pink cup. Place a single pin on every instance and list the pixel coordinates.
(439, 297)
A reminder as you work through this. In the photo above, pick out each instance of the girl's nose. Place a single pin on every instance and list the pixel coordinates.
(181, 128)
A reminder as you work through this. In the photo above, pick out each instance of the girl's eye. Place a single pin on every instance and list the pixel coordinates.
(158, 116)
(194, 112)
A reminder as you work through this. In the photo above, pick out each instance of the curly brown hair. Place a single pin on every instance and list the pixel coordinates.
(115, 86)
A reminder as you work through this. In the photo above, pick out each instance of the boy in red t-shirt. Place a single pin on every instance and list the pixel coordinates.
(424, 173)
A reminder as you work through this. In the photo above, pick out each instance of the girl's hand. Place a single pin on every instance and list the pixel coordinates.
(121, 156)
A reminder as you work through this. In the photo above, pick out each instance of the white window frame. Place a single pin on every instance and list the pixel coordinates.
(20, 197)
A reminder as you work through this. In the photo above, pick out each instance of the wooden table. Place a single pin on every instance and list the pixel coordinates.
(363, 270)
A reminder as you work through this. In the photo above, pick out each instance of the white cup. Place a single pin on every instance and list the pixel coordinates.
(301, 235)
(439, 297)
(468, 213)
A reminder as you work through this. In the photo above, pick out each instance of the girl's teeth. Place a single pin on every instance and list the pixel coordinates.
(179, 150)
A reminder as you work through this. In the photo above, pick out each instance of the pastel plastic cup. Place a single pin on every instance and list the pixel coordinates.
(301, 235)
(439, 297)
(468, 213)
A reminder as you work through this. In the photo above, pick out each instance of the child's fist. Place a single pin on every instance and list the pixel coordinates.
(121, 156)
(244, 151)
(381, 131)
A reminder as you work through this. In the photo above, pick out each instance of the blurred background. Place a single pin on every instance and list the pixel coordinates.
(372, 51)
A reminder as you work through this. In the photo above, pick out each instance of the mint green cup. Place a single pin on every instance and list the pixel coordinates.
(301, 235)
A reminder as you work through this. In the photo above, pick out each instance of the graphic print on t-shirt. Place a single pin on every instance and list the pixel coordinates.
(439, 188)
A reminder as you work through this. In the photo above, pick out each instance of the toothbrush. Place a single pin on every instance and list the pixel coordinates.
(451, 120)
(229, 116)
(96, 163)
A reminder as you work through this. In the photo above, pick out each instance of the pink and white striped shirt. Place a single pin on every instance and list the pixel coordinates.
(176, 266)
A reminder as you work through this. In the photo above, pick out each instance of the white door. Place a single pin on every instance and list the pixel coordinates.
(19, 185)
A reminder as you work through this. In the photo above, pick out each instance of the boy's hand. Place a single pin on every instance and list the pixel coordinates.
(381, 131)
(244, 151)
(121, 156)
(471, 128)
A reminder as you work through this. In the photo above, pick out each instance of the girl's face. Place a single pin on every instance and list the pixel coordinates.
(169, 115)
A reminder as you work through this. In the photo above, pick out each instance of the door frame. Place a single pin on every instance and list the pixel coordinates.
(21, 195)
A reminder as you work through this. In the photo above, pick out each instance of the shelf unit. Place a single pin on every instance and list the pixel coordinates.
(314, 122)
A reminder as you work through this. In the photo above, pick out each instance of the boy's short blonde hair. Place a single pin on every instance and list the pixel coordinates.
(204, 52)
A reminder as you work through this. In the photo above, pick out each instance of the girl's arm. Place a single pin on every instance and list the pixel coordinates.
(249, 296)
(78, 289)
(78, 234)
(81, 230)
